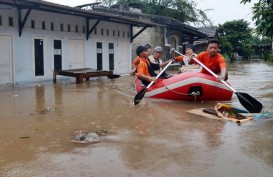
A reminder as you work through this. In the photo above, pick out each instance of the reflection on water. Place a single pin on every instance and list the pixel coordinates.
(154, 138)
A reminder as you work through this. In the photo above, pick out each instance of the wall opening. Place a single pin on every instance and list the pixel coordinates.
(39, 57)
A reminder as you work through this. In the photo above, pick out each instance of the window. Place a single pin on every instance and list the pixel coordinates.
(114, 33)
(118, 33)
(173, 42)
(52, 26)
(111, 56)
(107, 32)
(43, 25)
(39, 57)
(32, 24)
(57, 55)
(83, 29)
(68, 28)
(11, 21)
(0, 20)
(95, 31)
(77, 28)
(99, 56)
(101, 32)
(123, 34)
(62, 27)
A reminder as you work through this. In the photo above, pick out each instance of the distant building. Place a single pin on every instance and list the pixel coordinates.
(211, 32)
(37, 37)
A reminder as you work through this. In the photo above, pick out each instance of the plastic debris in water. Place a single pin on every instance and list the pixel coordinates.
(85, 137)
(48, 109)
(264, 115)
(102, 132)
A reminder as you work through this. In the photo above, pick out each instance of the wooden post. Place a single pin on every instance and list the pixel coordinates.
(79, 79)
(54, 77)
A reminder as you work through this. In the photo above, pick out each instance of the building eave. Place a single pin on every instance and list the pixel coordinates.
(67, 10)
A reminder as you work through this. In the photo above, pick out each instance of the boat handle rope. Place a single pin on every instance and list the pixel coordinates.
(194, 94)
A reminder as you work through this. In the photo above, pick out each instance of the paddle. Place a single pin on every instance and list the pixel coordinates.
(250, 103)
(114, 76)
(142, 92)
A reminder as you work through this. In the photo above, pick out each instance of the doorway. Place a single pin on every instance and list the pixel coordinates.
(39, 57)
(6, 60)
(57, 54)
(76, 54)
(123, 55)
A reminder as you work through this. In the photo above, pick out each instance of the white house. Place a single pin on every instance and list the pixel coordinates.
(37, 37)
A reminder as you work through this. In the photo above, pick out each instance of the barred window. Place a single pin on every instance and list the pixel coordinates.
(43, 25)
(11, 23)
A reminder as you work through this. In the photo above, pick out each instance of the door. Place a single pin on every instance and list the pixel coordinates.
(76, 54)
(124, 57)
(99, 56)
(57, 54)
(5, 59)
(111, 57)
(39, 57)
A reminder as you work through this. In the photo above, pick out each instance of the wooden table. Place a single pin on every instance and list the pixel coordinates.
(81, 73)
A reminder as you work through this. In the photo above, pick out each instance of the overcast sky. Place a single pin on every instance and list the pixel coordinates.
(223, 10)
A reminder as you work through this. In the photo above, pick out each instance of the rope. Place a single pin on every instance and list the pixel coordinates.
(194, 94)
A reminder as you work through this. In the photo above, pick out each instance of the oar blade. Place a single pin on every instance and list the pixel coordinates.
(113, 76)
(139, 96)
(250, 103)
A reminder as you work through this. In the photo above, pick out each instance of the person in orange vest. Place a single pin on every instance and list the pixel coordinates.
(212, 59)
(137, 60)
(145, 69)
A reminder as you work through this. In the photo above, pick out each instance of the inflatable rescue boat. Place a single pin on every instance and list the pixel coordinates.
(188, 86)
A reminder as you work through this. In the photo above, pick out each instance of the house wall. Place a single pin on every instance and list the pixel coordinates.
(158, 36)
(23, 47)
(152, 36)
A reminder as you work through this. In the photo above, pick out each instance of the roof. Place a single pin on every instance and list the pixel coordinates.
(67, 10)
(211, 31)
(164, 21)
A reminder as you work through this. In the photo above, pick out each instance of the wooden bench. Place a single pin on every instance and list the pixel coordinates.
(80, 74)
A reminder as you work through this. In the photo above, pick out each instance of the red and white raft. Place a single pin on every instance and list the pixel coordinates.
(188, 86)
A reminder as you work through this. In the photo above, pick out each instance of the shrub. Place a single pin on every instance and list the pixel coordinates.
(268, 57)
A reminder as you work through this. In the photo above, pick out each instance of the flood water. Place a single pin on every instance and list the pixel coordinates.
(156, 138)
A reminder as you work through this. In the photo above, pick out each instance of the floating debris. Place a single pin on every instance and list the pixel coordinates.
(48, 109)
(101, 132)
(85, 137)
(24, 137)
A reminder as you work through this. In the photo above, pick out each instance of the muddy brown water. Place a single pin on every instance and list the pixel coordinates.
(155, 138)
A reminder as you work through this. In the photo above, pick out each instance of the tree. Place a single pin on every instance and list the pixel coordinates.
(235, 36)
(263, 17)
(182, 10)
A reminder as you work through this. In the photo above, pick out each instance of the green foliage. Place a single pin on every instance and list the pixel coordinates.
(257, 40)
(235, 36)
(182, 10)
(263, 17)
(268, 57)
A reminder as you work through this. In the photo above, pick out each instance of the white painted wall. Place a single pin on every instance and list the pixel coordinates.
(23, 49)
